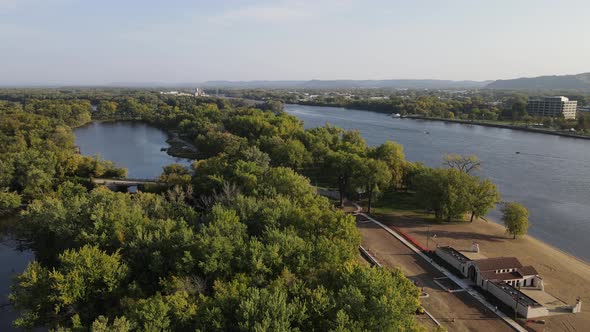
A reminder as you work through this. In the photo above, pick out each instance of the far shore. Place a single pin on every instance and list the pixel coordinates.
(498, 125)
(469, 122)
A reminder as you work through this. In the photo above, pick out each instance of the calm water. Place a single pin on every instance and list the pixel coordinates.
(550, 176)
(13, 262)
(133, 145)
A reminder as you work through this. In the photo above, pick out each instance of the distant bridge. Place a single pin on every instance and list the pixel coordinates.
(127, 182)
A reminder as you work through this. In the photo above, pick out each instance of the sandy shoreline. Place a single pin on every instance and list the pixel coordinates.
(565, 276)
(540, 242)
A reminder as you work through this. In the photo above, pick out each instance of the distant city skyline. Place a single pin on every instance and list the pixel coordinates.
(59, 42)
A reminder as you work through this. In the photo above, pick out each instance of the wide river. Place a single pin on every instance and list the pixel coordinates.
(550, 175)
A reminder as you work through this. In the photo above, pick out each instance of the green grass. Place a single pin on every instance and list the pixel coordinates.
(401, 203)
(404, 204)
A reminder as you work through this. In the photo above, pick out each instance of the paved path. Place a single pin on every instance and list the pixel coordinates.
(123, 182)
(446, 273)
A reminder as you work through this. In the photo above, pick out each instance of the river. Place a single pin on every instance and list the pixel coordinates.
(550, 175)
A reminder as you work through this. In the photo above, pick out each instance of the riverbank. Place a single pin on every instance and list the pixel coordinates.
(499, 125)
(565, 276)
(180, 148)
(478, 123)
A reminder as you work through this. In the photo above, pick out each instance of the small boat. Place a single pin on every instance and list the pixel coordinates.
(163, 149)
(517, 152)
(396, 115)
(427, 132)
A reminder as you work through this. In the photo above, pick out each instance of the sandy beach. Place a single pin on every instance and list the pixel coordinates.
(565, 277)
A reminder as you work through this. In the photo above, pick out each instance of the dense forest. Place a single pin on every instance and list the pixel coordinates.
(240, 241)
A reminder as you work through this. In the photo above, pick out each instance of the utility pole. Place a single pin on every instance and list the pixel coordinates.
(428, 239)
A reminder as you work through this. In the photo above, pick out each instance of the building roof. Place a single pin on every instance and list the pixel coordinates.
(527, 271)
(520, 273)
(523, 299)
(498, 263)
(551, 98)
(456, 254)
(490, 275)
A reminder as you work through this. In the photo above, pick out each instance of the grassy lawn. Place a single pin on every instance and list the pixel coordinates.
(399, 203)
(402, 204)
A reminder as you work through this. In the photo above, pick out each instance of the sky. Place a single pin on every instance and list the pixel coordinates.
(176, 41)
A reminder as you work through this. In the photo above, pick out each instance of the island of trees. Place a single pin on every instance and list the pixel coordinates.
(240, 241)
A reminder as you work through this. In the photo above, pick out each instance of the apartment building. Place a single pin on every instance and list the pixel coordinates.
(552, 107)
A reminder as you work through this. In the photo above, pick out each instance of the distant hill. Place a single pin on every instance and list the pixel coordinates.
(349, 84)
(563, 82)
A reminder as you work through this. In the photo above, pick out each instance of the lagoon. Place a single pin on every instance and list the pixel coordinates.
(134, 145)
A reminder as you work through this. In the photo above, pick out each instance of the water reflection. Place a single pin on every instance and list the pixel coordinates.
(14, 262)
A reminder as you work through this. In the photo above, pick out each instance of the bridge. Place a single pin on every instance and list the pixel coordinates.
(125, 182)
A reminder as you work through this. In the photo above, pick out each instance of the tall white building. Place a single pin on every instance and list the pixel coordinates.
(552, 107)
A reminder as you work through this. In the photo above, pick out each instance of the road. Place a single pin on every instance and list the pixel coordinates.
(456, 311)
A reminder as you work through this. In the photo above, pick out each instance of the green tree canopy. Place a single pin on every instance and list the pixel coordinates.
(86, 282)
(392, 154)
(374, 175)
(515, 217)
(446, 192)
(9, 202)
(342, 168)
(485, 196)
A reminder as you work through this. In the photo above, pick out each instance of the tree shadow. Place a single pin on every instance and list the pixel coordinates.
(458, 235)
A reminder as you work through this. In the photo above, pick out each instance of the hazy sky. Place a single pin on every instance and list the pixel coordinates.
(103, 41)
